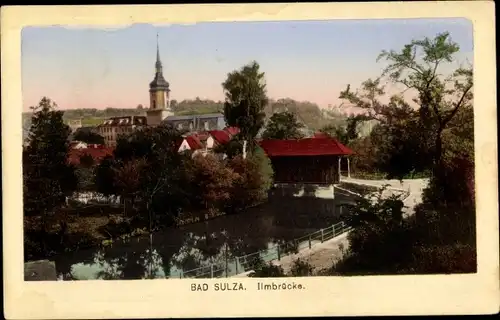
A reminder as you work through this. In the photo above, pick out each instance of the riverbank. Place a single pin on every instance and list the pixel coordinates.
(89, 230)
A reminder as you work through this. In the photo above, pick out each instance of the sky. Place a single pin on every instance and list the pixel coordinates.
(303, 60)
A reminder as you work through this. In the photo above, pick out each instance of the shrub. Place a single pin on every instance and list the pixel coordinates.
(301, 268)
(268, 270)
(253, 180)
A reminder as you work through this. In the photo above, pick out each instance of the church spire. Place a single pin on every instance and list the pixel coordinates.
(158, 61)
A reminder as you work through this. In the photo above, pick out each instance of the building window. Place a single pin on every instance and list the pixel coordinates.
(206, 126)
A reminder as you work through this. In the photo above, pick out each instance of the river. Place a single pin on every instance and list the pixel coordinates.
(172, 252)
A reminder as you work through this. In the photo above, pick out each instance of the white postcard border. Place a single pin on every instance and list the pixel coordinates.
(369, 295)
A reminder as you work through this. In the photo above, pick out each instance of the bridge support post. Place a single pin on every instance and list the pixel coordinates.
(348, 169)
(278, 248)
(211, 271)
(339, 168)
(309, 242)
(322, 235)
(236, 264)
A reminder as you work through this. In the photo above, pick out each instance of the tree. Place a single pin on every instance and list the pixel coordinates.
(104, 177)
(439, 98)
(86, 160)
(246, 98)
(164, 188)
(127, 179)
(85, 177)
(283, 125)
(416, 66)
(47, 175)
(88, 136)
(381, 240)
(253, 180)
(211, 182)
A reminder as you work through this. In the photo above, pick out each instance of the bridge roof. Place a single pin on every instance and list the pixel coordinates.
(316, 146)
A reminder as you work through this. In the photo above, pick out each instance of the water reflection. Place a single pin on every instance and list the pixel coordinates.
(210, 247)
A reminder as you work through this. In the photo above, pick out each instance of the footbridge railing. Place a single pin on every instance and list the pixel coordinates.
(240, 264)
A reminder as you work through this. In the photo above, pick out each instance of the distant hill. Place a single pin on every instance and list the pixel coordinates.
(307, 112)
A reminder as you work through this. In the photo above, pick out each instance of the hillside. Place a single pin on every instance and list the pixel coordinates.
(309, 113)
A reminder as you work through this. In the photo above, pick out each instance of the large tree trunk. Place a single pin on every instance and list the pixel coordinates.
(438, 155)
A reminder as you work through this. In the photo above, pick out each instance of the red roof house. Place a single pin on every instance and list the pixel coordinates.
(232, 130)
(191, 142)
(221, 136)
(312, 160)
(316, 146)
(194, 143)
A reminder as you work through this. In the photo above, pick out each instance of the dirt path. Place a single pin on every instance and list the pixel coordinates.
(414, 187)
(320, 256)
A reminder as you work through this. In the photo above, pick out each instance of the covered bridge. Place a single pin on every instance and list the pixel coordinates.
(313, 160)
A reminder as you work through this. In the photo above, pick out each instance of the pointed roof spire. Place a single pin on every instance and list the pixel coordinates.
(159, 82)
(157, 48)
(158, 61)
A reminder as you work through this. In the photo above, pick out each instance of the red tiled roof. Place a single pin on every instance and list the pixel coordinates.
(232, 130)
(202, 136)
(304, 147)
(194, 143)
(221, 136)
(96, 153)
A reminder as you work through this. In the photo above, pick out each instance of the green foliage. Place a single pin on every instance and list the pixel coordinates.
(447, 213)
(260, 157)
(196, 106)
(301, 268)
(283, 126)
(439, 98)
(48, 178)
(439, 238)
(163, 186)
(337, 132)
(267, 270)
(450, 258)
(88, 136)
(381, 240)
(211, 182)
(252, 181)
(410, 141)
(345, 134)
(246, 98)
(85, 177)
(104, 177)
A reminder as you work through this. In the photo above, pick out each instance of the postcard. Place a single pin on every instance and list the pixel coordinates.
(258, 160)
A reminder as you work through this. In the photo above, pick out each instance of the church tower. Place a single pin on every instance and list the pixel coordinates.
(159, 94)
